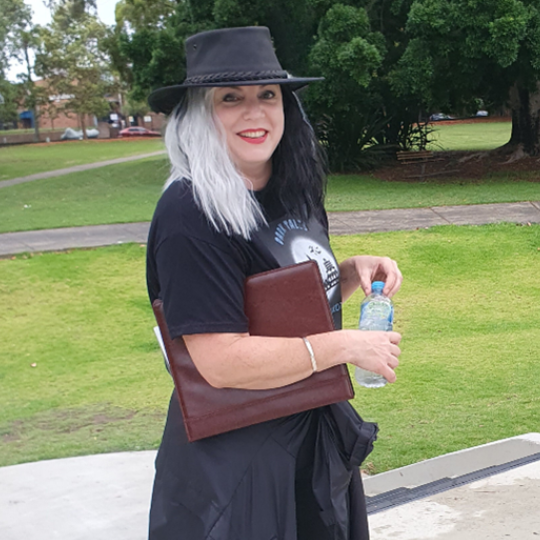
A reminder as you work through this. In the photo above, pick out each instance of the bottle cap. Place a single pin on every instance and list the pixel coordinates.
(377, 286)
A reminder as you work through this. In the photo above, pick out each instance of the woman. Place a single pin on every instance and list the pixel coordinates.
(244, 196)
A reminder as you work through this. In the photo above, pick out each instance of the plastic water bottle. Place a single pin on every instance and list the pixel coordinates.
(376, 313)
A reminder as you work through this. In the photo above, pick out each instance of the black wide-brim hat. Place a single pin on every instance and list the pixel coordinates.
(227, 57)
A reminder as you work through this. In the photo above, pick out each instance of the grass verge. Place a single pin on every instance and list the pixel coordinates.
(128, 192)
(470, 327)
(24, 160)
(466, 310)
(348, 193)
(80, 369)
(115, 194)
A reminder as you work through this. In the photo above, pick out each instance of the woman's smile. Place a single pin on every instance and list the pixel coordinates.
(254, 136)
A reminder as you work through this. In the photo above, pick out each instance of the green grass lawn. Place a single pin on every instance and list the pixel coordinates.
(128, 192)
(347, 193)
(81, 372)
(114, 194)
(474, 136)
(28, 159)
(98, 384)
(467, 313)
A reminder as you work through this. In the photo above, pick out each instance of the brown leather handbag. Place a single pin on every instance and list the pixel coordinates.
(286, 302)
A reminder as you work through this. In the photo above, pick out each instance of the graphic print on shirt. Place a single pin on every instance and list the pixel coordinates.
(293, 241)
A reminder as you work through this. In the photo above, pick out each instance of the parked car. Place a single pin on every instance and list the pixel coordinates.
(482, 113)
(136, 131)
(440, 116)
(77, 134)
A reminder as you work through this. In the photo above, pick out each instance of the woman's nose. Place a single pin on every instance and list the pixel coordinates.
(253, 109)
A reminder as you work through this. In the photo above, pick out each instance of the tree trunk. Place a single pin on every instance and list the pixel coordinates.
(525, 107)
(83, 126)
(31, 89)
(36, 124)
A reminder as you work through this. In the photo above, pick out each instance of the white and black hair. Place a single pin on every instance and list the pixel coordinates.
(198, 154)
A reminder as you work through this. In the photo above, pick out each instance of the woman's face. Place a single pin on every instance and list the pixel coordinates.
(252, 117)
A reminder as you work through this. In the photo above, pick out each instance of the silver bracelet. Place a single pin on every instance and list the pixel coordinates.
(311, 354)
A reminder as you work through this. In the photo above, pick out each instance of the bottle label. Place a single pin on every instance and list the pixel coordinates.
(375, 313)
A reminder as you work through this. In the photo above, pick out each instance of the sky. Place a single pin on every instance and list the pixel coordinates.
(42, 15)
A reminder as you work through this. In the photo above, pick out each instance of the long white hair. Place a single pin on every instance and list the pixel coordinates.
(198, 154)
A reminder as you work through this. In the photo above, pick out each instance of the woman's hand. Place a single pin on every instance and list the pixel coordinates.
(378, 353)
(363, 270)
(375, 351)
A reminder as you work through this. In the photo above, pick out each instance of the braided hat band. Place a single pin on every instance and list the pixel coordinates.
(234, 76)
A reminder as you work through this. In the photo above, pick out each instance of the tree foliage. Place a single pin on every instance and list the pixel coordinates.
(72, 60)
(18, 38)
(10, 93)
(15, 17)
(348, 54)
(464, 49)
(138, 15)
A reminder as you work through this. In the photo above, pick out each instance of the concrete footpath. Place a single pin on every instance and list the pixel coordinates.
(491, 492)
(340, 223)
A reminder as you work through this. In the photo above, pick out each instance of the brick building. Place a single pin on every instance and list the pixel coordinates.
(53, 116)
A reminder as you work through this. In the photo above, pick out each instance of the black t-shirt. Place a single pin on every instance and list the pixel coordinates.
(199, 273)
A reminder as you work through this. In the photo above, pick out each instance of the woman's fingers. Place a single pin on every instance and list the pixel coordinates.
(372, 269)
(389, 374)
(393, 277)
(365, 273)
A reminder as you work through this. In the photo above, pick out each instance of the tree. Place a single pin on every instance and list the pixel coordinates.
(466, 49)
(347, 54)
(8, 104)
(18, 37)
(72, 61)
(147, 45)
(15, 15)
(135, 15)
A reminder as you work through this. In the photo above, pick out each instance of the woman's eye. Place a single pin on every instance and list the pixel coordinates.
(268, 94)
(230, 98)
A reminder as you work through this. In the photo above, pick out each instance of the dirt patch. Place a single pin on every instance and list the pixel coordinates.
(10, 437)
(66, 421)
(466, 165)
(84, 430)
(107, 419)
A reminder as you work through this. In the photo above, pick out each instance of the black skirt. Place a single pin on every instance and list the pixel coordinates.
(294, 478)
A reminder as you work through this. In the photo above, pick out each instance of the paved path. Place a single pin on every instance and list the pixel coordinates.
(340, 223)
(76, 168)
(107, 496)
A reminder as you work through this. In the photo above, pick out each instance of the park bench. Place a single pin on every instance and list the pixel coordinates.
(421, 157)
